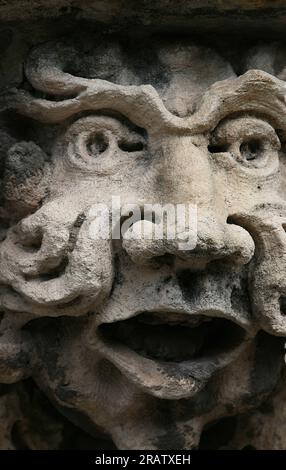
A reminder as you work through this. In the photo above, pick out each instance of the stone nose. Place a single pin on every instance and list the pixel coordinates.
(196, 246)
(196, 226)
(182, 170)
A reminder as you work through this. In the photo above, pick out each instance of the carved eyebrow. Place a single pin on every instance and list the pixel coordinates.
(140, 104)
(255, 91)
(45, 71)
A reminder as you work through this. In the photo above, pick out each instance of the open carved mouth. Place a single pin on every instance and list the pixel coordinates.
(173, 337)
(170, 354)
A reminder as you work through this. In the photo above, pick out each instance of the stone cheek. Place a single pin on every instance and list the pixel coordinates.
(150, 340)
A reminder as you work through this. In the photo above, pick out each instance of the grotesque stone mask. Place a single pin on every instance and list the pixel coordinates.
(139, 339)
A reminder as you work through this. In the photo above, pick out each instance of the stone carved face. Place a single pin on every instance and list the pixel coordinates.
(139, 339)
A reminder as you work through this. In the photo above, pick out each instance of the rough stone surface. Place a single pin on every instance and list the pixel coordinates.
(138, 343)
(162, 14)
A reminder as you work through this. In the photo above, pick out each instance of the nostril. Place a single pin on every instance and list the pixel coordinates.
(231, 220)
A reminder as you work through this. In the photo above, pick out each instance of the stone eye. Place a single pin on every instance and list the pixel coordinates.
(101, 142)
(251, 141)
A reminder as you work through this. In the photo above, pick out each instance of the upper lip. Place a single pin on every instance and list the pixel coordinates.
(172, 368)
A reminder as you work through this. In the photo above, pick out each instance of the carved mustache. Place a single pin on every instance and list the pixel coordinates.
(268, 267)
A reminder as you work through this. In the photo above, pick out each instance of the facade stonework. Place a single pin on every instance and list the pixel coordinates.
(138, 343)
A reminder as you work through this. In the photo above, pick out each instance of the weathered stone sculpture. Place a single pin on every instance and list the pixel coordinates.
(139, 340)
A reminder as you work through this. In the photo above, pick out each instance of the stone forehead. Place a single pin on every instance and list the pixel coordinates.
(180, 71)
(173, 56)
